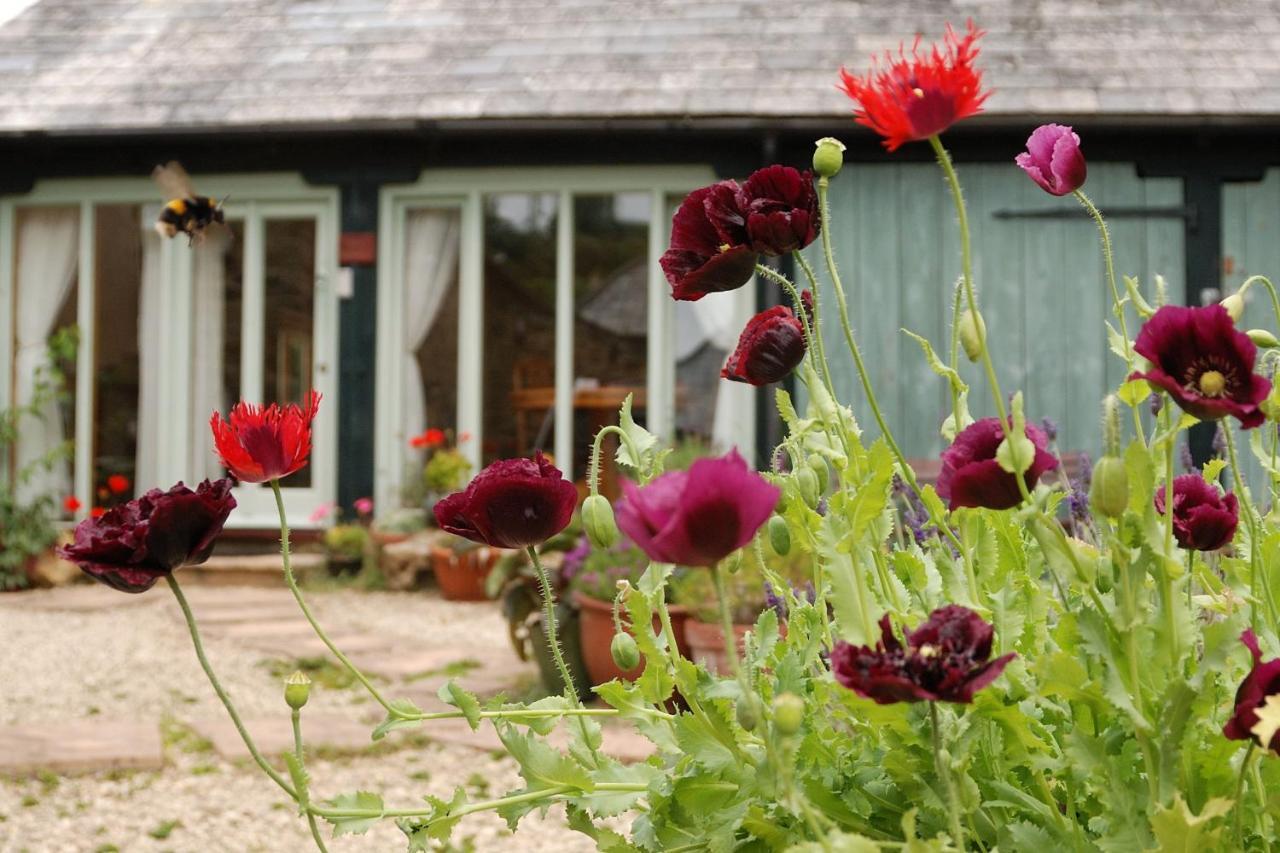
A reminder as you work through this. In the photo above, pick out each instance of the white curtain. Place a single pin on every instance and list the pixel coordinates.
(430, 267)
(48, 249)
(150, 337)
(719, 319)
(208, 393)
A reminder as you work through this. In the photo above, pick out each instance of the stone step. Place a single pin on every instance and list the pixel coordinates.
(80, 746)
(274, 735)
(264, 570)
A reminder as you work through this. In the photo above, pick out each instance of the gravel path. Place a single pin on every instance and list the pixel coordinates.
(134, 661)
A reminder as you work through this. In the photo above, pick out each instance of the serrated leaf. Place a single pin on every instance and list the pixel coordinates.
(1213, 469)
(1135, 295)
(705, 739)
(608, 804)
(935, 363)
(641, 460)
(1177, 829)
(451, 694)
(1134, 391)
(297, 773)
(607, 841)
(631, 703)
(541, 765)
(394, 722)
(438, 826)
(364, 801)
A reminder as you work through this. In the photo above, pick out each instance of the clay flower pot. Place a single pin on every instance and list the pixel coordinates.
(595, 628)
(706, 645)
(461, 576)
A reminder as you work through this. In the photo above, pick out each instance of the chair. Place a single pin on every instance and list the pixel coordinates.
(532, 373)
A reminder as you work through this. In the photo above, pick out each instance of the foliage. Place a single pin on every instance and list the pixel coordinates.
(446, 471)
(347, 540)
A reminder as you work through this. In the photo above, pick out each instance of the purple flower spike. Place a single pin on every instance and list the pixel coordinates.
(1053, 159)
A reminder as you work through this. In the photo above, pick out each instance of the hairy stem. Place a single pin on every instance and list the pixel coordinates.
(944, 775)
(304, 797)
(553, 637)
(1257, 575)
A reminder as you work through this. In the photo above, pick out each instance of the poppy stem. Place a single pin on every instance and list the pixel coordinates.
(304, 799)
(1166, 582)
(553, 637)
(954, 363)
(1271, 288)
(593, 468)
(726, 620)
(1238, 817)
(1256, 572)
(222, 693)
(944, 774)
(306, 611)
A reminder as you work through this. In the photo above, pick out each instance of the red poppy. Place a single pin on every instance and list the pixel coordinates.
(430, 438)
(71, 504)
(921, 96)
(118, 484)
(944, 660)
(1204, 362)
(971, 476)
(98, 512)
(512, 503)
(769, 348)
(1262, 682)
(1204, 519)
(131, 546)
(702, 259)
(262, 443)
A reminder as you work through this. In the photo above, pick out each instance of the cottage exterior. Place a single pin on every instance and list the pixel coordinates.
(449, 213)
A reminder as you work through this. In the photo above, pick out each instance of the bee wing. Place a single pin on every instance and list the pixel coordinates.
(173, 180)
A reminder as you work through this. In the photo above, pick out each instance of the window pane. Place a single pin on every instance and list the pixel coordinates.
(701, 347)
(611, 317)
(233, 306)
(289, 309)
(519, 320)
(46, 283)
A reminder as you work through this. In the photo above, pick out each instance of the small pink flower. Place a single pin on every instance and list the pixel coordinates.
(1053, 159)
(364, 506)
(321, 512)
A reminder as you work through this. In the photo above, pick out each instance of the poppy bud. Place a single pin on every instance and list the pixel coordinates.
(732, 563)
(807, 482)
(973, 334)
(626, 654)
(297, 690)
(1262, 338)
(779, 536)
(1109, 491)
(788, 713)
(819, 466)
(829, 157)
(748, 711)
(597, 520)
(1235, 306)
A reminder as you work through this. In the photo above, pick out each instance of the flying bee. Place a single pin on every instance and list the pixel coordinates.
(185, 211)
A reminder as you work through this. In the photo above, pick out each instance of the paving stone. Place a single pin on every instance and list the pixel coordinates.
(82, 598)
(414, 663)
(261, 630)
(223, 615)
(274, 735)
(81, 746)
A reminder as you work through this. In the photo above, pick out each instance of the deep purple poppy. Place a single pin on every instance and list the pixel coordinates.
(971, 476)
(779, 209)
(1053, 159)
(769, 348)
(1204, 362)
(701, 259)
(1262, 681)
(512, 503)
(944, 660)
(131, 546)
(1204, 519)
(700, 516)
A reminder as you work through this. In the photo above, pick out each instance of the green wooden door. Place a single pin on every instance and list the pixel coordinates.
(1041, 284)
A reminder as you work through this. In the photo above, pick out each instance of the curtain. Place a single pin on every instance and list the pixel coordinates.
(208, 391)
(718, 318)
(150, 335)
(430, 267)
(48, 249)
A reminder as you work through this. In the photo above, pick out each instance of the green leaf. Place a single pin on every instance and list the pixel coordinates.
(936, 365)
(645, 442)
(1134, 391)
(602, 804)
(950, 429)
(1213, 469)
(393, 722)
(297, 773)
(869, 501)
(629, 700)
(1135, 295)
(541, 765)
(705, 739)
(438, 826)
(607, 841)
(450, 693)
(839, 842)
(356, 825)
(1016, 452)
(1177, 829)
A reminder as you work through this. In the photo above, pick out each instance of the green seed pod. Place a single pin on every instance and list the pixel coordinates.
(626, 654)
(973, 334)
(779, 536)
(828, 157)
(597, 520)
(748, 710)
(297, 690)
(788, 713)
(807, 481)
(819, 466)
(1263, 338)
(1109, 492)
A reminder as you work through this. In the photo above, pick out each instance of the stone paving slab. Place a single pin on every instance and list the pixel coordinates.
(222, 616)
(406, 664)
(274, 735)
(83, 598)
(81, 746)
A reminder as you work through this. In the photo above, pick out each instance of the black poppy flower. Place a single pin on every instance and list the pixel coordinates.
(702, 259)
(971, 476)
(512, 503)
(1263, 681)
(769, 348)
(131, 546)
(1204, 519)
(947, 659)
(1204, 362)
(778, 207)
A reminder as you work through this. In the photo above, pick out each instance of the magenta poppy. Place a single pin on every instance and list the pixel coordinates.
(131, 546)
(778, 207)
(1204, 362)
(1262, 681)
(769, 348)
(700, 516)
(1204, 519)
(512, 503)
(701, 259)
(947, 659)
(1053, 159)
(971, 476)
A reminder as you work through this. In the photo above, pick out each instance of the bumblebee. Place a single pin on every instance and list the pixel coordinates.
(185, 212)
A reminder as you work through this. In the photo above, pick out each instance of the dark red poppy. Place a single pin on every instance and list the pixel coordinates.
(700, 516)
(944, 660)
(512, 503)
(779, 209)
(971, 476)
(262, 443)
(921, 96)
(131, 546)
(769, 348)
(1204, 362)
(701, 259)
(1262, 681)
(1053, 159)
(1204, 519)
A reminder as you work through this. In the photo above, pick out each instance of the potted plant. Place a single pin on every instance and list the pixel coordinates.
(398, 525)
(346, 545)
(461, 568)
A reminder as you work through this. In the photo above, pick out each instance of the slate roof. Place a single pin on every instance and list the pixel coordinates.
(141, 65)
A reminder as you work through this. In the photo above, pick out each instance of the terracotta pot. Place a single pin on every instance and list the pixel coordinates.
(706, 644)
(595, 628)
(383, 539)
(461, 575)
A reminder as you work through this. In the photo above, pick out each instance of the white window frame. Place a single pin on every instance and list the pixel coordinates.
(278, 195)
(465, 189)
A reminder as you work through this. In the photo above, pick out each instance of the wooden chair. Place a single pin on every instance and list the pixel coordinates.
(528, 372)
